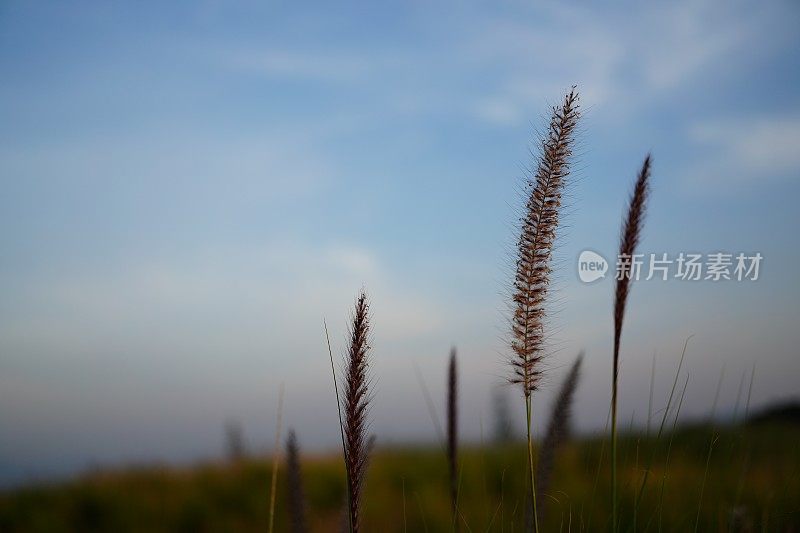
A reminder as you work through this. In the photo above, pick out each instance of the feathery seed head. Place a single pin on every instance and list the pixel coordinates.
(629, 239)
(356, 403)
(535, 245)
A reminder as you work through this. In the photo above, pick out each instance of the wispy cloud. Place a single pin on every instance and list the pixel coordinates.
(619, 65)
(744, 150)
(316, 65)
(678, 41)
(518, 57)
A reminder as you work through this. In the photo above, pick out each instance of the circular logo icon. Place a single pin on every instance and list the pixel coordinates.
(591, 266)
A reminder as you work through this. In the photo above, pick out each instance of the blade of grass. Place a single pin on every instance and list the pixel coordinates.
(669, 451)
(431, 408)
(749, 393)
(599, 465)
(716, 395)
(341, 422)
(741, 439)
(405, 523)
(738, 399)
(421, 512)
(703, 484)
(650, 400)
(652, 457)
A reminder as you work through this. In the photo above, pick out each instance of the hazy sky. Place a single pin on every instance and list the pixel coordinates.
(189, 188)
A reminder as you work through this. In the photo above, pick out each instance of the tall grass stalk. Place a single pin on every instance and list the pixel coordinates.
(534, 250)
(629, 239)
(294, 484)
(452, 434)
(275, 455)
(356, 406)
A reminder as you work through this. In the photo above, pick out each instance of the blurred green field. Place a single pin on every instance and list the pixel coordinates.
(753, 484)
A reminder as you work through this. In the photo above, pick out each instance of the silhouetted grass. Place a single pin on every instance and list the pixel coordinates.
(537, 235)
(630, 234)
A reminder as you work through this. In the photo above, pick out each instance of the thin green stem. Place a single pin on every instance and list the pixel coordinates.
(643, 485)
(274, 482)
(599, 465)
(405, 525)
(647, 436)
(528, 412)
(669, 451)
(703, 485)
(614, 453)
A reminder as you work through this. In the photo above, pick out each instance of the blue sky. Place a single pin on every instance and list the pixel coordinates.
(189, 188)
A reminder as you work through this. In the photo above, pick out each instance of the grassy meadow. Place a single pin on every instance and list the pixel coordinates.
(752, 484)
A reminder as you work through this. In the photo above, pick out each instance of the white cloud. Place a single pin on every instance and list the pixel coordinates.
(743, 150)
(320, 65)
